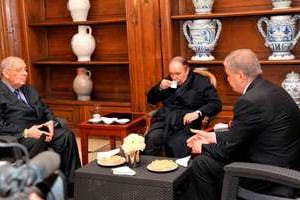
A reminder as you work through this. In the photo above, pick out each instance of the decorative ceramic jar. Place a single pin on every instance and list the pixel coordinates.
(79, 9)
(291, 84)
(281, 4)
(203, 6)
(83, 84)
(83, 43)
(280, 36)
(202, 36)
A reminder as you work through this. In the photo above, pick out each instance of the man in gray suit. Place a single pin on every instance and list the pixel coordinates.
(265, 130)
(26, 117)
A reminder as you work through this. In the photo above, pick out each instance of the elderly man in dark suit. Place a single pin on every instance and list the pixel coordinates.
(184, 107)
(24, 116)
(265, 129)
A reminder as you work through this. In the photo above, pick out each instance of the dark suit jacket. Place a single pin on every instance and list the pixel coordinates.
(197, 93)
(266, 128)
(15, 115)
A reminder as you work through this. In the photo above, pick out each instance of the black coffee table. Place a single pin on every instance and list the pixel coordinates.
(96, 182)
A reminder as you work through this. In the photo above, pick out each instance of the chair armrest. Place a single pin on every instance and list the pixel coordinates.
(236, 170)
(265, 172)
(148, 119)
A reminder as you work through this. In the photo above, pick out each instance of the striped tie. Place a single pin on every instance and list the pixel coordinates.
(18, 94)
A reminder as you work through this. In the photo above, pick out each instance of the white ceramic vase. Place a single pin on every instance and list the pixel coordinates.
(203, 6)
(83, 43)
(281, 4)
(79, 9)
(82, 84)
(291, 84)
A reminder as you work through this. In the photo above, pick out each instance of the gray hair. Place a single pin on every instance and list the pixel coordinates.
(243, 60)
(180, 59)
(9, 62)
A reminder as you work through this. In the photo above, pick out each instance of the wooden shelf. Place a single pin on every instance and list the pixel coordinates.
(102, 103)
(69, 62)
(236, 14)
(71, 23)
(263, 62)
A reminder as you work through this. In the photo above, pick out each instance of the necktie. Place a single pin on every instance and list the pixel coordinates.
(19, 96)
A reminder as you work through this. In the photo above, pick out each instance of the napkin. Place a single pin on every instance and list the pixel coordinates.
(110, 153)
(124, 170)
(183, 161)
(220, 127)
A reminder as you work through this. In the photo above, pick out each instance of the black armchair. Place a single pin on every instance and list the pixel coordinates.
(234, 171)
(10, 154)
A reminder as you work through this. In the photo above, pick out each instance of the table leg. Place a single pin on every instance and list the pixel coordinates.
(112, 142)
(84, 146)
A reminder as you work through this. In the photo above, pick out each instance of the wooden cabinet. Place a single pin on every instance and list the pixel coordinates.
(124, 64)
(135, 41)
(49, 32)
(239, 30)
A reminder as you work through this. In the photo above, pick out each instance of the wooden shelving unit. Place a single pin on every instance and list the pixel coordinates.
(239, 30)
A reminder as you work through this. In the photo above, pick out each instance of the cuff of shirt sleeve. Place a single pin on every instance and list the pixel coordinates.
(25, 133)
(55, 123)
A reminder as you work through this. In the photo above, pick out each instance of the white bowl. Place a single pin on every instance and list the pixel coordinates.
(122, 121)
(108, 120)
(94, 120)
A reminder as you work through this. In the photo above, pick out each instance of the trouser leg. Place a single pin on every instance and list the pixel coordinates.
(64, 143)
(176, 144)
(205, 180)
(154, 142)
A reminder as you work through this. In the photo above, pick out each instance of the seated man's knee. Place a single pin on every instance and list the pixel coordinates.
(201, 163)
(154, 137)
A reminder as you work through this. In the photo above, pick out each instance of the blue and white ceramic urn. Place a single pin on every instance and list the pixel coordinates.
(291, 84)
(281, 4)
(280, 35)
(202, 36)
(203, 6)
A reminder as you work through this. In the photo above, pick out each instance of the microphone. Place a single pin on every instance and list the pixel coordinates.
(43, 165)
(15, 180)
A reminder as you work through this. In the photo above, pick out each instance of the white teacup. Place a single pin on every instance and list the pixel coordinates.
(173, 84)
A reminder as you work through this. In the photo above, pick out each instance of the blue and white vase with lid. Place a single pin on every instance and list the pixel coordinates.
(281, 4)
(203, 6)
(291, 84)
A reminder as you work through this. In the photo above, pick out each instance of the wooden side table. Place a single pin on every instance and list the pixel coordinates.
(136, 124)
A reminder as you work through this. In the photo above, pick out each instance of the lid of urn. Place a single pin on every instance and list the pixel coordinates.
(293, 75)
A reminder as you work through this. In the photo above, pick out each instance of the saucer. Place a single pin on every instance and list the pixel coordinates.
(94, 120)
(122, 121)
(108, 120)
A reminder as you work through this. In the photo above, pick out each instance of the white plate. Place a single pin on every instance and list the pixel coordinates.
(170, 166)
(108, 120)
(111, 161)
(94, 120)
(122, 121)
